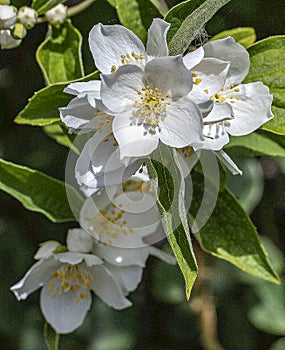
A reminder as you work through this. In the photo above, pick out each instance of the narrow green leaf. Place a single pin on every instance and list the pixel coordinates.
(51, 337)
(245, 36)
(258, 144)
(187, 19)
(42, 6)
(59, 132)
(267, 65)
(39, 192)
(59, 55)
(230, 235)
(168, 186)
(42, 108)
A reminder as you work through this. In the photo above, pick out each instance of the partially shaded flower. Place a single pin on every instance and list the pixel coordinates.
(57, 14)
(7, 41)
(27, 16)
(8, 16)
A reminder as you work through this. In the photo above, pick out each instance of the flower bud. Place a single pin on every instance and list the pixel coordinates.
(8, 16)
(57, 14)
(7, 41)
(19, 31)
(27, 17)
(79, 241)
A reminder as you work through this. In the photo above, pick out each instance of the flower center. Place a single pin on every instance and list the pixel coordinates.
(186, 152)
(127, 59)
(70, 278)
(110, 223)
(227, 95)
(150, 109)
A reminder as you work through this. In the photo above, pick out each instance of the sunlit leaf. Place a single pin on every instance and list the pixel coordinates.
(243, 35)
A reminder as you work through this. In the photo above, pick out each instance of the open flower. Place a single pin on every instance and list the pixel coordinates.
(239, 109)
(113, 46)
(152, 104)
(67, 280)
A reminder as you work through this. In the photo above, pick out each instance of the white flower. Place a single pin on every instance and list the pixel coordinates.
(46, 249)
(113, 46)
(67, 280)
(239, 109)
(152, 104)
(27, 16)
(120, 218)
(8, 16)
(57, 14)
(7, 41)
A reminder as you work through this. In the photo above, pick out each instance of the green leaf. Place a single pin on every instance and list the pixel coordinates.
(245, 36)
(230, 235)
(136, 15)
(39, 192)
(187, 19)
(51, 337)
(59, 132)
(168, 184)
(258, 144)
(59, 55)
(267, 65)
(42, 108)
(42, 6)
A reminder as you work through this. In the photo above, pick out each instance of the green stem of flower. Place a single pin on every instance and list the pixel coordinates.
(73, 10)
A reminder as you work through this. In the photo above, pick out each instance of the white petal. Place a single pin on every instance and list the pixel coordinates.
(63, 313)
(228, 162)
(202, 100)
(192, 58)
(79, 241)
(70, 258)
(122, 256)
(162, 255)
(133, 140)
(106, 288)
(156, 40)
(127, 277)
(220, 112)
(228, 50)
(92, 86)
(108, 42)
(252, 110)
(77, 113)
(37, 275)
(215, 137)
(213, 73)
(169, 75)
(182, 125)
(46, 249)
(119, 90)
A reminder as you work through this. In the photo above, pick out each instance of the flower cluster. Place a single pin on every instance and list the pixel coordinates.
(14, 23)
(192, 103)
(107, 262)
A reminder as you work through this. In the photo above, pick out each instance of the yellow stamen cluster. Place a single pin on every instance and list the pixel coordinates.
(104, 120)
(150, 109)
(70, 278)
(186, 152)
(197, 81)
(110, 223)
(225, 97)
(127, 59)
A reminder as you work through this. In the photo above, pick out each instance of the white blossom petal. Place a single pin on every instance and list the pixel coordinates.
(133, 140)
(228, 50)
(182, 125)
(36, 276)
(212, 75)
(46, 249)
(169, 75)
(251, 110)
(228, 162)
(119, 90)
(191, 59)
(83, 88)
(156, 40)
(63, 313)
(106, 288)
(108, 42)
(79, 241)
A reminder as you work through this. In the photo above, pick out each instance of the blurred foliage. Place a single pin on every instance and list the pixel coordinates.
(228, 309)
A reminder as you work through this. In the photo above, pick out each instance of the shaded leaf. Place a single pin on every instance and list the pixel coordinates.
(39, 192)
(59, 132)
(245, 36)
(168, 185)
(267, 65)
(42, 108)
(187, 19)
